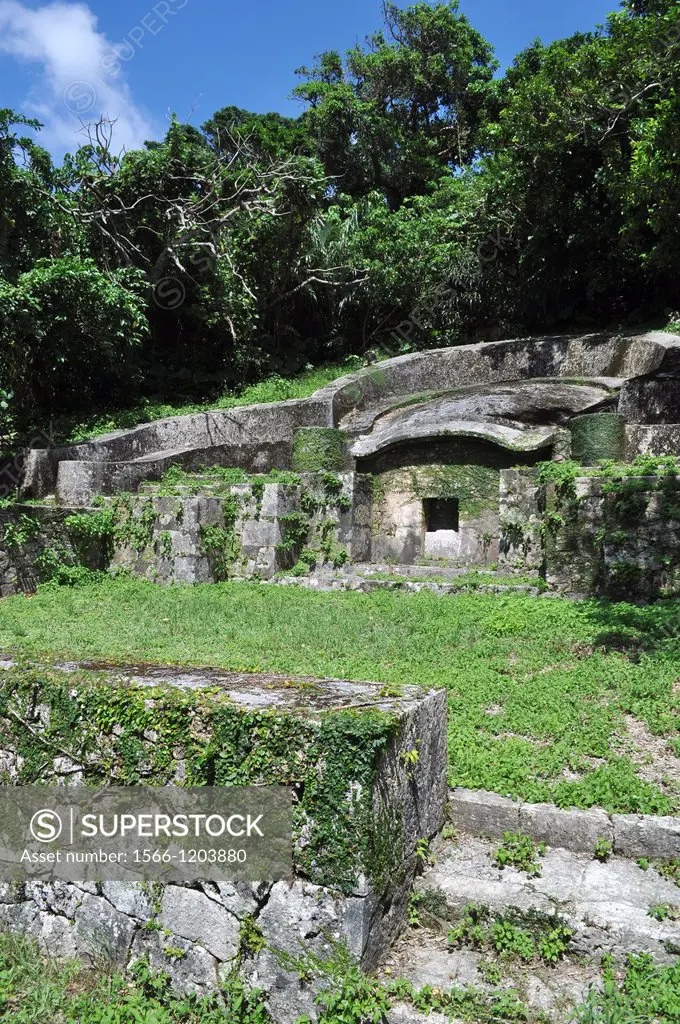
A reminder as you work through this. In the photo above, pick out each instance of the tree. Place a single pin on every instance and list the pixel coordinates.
(406, 108)
(67, 335)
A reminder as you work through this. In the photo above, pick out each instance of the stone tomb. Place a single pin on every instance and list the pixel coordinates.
(368, 766)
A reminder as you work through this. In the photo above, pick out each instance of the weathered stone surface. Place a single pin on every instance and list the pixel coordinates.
(403, 1014)
(56, 935)
(483, 814)
(638, 561)
(241, 899)
(243, 434)
(424, 958)
(194, 931)
(260, 437)
(520, 543)
(637, 835)
(102, 931)
(191, 967)
(57, 897)
(656, 439)
(591, 356)
(570, 829)
(133, 900)
(19, 567)
(605, 904)
(651, 400)
(191, 915)
(522, 415)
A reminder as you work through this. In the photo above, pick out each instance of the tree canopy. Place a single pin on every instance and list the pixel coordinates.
(419, 199)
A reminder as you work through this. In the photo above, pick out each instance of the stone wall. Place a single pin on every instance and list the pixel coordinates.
(254, 530)
(465, 470)
(188, 438)
(623, 544)
(652, 439)
(595, 355)
(520, 545)
(35, 538)
(365, 802)
(399, 523)
(253, 429)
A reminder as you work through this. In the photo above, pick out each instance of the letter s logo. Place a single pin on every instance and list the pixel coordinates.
(45, 826)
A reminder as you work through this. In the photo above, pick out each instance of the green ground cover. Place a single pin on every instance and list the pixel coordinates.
(34, 990)
(542, 691)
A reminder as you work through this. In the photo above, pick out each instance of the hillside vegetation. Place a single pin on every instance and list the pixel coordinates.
(420, 199)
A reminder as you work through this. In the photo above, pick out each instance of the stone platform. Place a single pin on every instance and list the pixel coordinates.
(367, 764)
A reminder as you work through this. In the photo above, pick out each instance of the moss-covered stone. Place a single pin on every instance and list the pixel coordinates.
(475, 487)
(316, 448)
(307, 735)
(598, 436)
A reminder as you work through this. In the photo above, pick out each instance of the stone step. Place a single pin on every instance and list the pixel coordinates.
(605, 905)
(428, 570)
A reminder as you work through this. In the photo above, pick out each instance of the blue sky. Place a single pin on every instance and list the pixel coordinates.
(139, 60)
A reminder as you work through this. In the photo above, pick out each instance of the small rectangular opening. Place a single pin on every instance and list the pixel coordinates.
(441, 514)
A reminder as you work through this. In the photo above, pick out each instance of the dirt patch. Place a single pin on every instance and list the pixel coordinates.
(654, 760)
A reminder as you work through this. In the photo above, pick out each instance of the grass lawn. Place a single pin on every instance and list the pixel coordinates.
(577, 702)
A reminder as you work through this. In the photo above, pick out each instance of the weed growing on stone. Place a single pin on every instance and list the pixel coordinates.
(35, 990)
(603, 850)
(519, 851)
(527, 937)
(664, 912)
(670, 869)
(647, 993)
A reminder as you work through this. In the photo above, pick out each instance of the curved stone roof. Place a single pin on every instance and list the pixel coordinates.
(519, 415)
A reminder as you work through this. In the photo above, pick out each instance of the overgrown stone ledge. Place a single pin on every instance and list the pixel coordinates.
(368, 766)
(480, 813)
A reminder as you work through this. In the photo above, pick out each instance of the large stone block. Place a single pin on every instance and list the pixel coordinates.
(368, 765)
(569, 829)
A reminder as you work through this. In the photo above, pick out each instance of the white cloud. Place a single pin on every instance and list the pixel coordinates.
(76, 84)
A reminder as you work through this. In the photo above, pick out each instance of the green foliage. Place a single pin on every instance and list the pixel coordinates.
(66, 329)
(670, 869)
(603, 850)
(561, 474)
(519, 851)
(74, 429)
(428, 233)
(134, 521)
(358, 999)
(648, 992)
(597, 436)
(403, 110)
(507, 938)
(221, 543)
(250, 939)
(526, 937)
(88, 530)
(34, 989)
(664, 912)
(17, 532)
(318, 448)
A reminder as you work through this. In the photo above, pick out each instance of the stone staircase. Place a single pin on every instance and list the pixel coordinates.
(606, 906)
